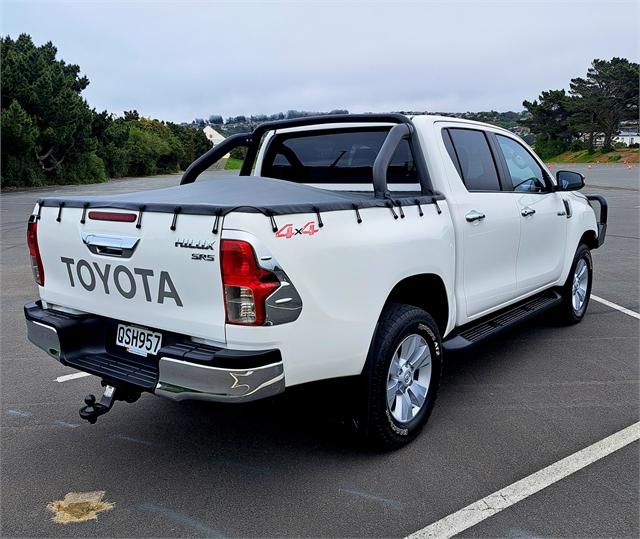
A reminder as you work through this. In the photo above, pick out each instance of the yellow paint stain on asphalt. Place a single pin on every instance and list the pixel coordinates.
(79, 507)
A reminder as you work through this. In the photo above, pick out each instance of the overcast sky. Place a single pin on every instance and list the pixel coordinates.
(180, 60)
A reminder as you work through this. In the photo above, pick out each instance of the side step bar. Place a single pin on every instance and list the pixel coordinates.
(485, 328)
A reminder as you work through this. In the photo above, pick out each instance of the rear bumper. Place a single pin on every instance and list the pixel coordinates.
(182, 370)
(181, 380)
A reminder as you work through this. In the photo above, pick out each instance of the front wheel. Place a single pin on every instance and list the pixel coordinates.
(403, 375)
(577, 289)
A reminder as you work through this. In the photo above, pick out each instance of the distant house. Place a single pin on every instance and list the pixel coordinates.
(213, 136)
(627, 137)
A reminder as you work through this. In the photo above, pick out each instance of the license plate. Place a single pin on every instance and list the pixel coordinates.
(137, 340)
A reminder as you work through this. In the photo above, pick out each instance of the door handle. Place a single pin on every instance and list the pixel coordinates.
(474, 216)
(527, 212)
(120, 246)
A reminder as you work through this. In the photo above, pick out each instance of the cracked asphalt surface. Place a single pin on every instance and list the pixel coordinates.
(289, 467)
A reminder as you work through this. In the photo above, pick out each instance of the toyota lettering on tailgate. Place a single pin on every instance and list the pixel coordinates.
(126, 283)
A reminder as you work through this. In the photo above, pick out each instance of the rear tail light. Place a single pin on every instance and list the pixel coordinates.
(246, 285)
(34, 253)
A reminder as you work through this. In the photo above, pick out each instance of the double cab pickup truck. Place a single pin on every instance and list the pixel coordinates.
(363, 246)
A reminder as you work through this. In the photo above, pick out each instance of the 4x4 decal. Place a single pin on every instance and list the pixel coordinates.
(288, 230)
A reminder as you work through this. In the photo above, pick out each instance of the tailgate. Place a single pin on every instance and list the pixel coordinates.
(151, 276)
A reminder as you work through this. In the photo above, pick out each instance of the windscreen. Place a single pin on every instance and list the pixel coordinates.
(335, 156)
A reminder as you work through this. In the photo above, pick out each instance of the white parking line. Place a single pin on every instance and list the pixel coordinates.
(73, 376)
(494, 503)
(616, 306)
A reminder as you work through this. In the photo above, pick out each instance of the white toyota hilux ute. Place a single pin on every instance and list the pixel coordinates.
(362, 246)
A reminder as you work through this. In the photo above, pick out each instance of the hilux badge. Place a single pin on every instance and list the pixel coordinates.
(192, 244)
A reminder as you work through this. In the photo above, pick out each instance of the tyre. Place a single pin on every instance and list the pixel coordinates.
(402, 375)
(577, 289)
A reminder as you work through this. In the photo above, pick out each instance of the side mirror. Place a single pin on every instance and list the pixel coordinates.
(568, 180)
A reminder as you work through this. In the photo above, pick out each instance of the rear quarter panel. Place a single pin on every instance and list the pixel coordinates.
(344, 274)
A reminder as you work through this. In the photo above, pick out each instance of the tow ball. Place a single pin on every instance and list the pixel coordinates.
(93, 410)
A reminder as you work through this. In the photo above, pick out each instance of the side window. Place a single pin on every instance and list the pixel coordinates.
(474, 159)
(526, 174)
(448, 144)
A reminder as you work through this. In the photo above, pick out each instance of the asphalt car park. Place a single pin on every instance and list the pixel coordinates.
(290, 466)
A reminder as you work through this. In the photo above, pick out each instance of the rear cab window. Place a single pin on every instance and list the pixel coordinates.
(337, 156)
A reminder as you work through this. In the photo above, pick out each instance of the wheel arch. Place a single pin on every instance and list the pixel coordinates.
(426, 291)
(590, 239)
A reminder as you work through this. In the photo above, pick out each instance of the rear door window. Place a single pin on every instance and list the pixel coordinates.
(471, 154)
(336, 156)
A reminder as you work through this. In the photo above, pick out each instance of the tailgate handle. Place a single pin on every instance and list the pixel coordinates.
(119, 246)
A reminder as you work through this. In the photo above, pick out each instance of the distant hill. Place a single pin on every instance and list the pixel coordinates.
(508, 120)
(238, 124)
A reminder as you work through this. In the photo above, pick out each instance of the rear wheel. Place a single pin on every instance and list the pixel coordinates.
(577, 289)
(403, 375)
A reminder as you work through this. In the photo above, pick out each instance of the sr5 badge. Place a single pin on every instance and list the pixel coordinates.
(199, 256)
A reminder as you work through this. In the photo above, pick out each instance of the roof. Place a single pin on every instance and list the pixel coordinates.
(433, 118)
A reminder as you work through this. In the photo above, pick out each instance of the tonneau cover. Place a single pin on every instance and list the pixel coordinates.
(247, 194)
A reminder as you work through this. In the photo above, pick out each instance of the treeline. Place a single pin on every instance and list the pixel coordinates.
(508, 120)
(217, 119)
(235, 124)
(50, 135)
(590, 114)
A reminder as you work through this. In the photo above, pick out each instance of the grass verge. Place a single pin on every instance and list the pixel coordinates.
(621, 155)
(233, 164)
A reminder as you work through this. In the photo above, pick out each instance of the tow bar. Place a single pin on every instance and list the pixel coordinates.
(93, 410)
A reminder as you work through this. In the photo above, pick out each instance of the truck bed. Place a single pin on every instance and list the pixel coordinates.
(248, 194)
